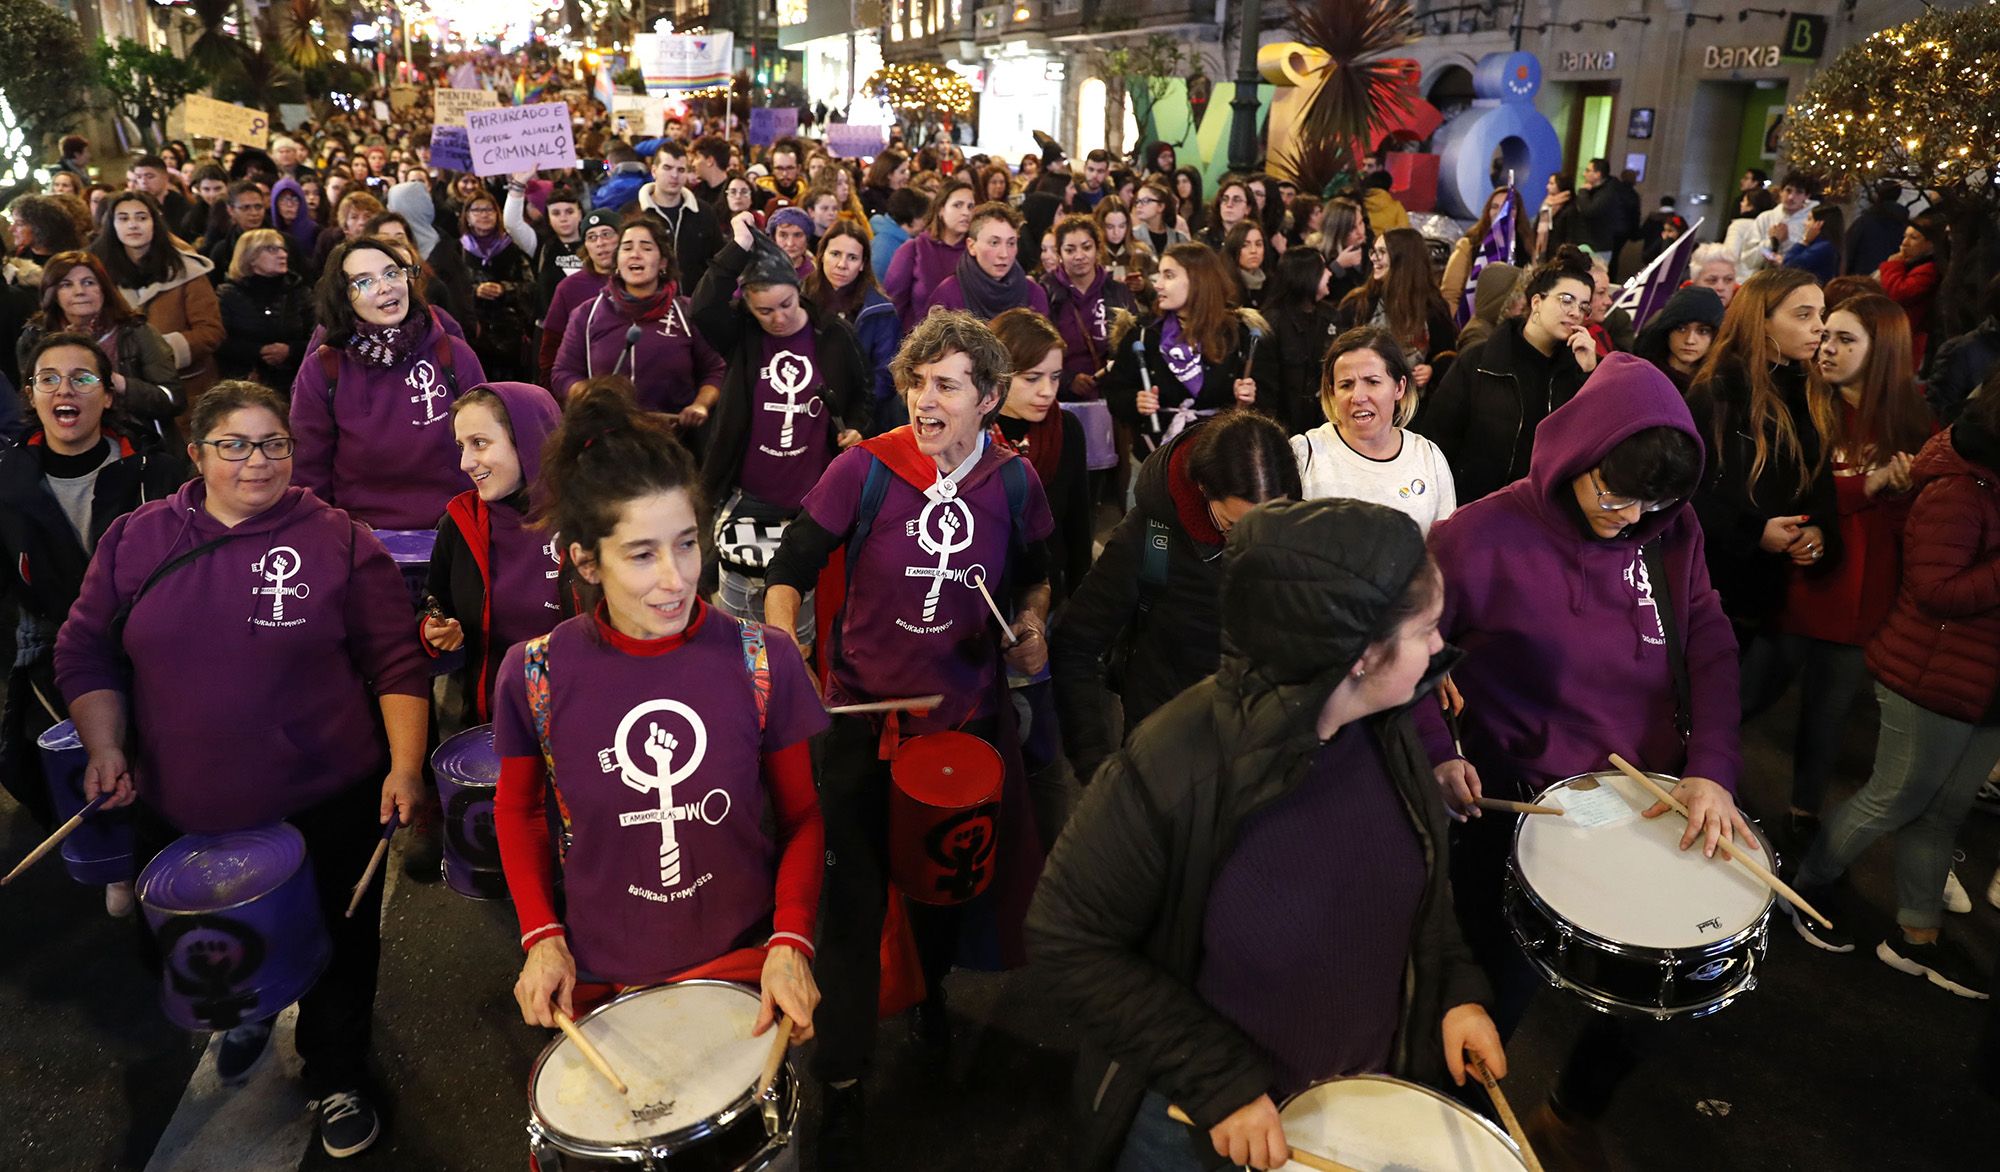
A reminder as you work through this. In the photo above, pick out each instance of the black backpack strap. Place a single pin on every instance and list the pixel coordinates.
(1663, 606)
(124, 612)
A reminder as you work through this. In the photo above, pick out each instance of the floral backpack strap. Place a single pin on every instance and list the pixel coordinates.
(757, 661)
(536, 663)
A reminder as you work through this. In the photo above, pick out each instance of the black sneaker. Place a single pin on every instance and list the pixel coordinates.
(240, 1051)
(843, 1129)
(348, 1124)
(1827, 900)
(1942, 961)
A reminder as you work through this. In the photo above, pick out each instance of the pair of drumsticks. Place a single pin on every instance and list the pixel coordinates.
(1328, 1164)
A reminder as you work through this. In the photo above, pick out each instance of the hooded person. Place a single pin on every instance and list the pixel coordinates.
(447, 284)
(791, 229)
(794, 394)
(1166, 921)
(1577, 563)
(299, 224)
(1491, 291)
(1677, 338)
(495, 580)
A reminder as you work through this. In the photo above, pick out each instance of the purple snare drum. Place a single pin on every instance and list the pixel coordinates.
(99, 851)
(468, 770)
(1100, 446)
(237, 921)
(411, 549)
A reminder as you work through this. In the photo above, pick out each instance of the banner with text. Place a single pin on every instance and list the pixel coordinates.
(450, 105)
(768, 125)
(520, 138)
(685, 61)
(208, 118)
(848, 141)
(450, 149)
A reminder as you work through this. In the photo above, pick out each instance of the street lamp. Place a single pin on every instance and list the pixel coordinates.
(1243, 106)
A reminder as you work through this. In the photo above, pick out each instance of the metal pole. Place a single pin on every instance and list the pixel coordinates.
(1243, 106)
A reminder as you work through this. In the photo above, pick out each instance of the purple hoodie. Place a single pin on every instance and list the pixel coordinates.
(916, 270)
(669, 362)
(304, 230)
(1565, 660)
(254, 668)
(391, 461)
(522, 563)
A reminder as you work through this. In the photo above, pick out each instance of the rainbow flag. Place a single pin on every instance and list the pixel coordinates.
(526, 91)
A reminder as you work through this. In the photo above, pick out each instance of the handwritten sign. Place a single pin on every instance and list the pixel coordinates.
(450, 105)
(645, 114)
(520, 138)
(449, 148)
(208, 118)
(402, 97)
(848, 141)
(768, 125)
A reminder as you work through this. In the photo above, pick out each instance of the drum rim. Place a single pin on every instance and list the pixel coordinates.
(139, 887)
(1610, 1006)
(1491, 1127)
(454, 778)
(1757, 927)
(746, 1103)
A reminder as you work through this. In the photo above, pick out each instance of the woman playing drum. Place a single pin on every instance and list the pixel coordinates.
(1252, 897)
(665, 729)
(296, 622)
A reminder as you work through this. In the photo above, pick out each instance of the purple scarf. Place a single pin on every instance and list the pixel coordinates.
(987, 297)
(485, 247)
(1182, 353)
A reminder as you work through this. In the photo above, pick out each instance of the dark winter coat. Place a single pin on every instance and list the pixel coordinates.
(1485, 411)
(257, 311)
(501, 325)
(44, 560)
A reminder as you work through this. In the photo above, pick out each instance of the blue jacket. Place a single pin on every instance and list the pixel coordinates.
(880, 332)
(622, 187)
(1820, 258)
(889, 236)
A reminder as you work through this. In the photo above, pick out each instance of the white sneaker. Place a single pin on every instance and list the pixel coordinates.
(1955, 898)
(118, 899)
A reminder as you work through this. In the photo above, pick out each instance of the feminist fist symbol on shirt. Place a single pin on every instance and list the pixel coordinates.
(661, 748)
(953, 518)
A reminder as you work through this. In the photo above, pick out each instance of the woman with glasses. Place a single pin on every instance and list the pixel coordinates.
(266, 313)
(1486, 408)
(1154, 213)
(1574, 565)
(78, 296)
(81, 467)
(167, 283)
(1233, 205)
(299, 626)
(371, 407)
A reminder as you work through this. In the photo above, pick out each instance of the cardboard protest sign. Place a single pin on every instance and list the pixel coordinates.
(448, 106)
(402, 97)
(449, 148)
(520, 138)
(208, 118)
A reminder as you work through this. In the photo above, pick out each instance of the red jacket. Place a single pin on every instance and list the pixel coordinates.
(1914, 287)
(1940, 646)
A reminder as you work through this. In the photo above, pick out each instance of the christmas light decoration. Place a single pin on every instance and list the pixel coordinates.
(1918, 102)
(921, 86)
(16, 153)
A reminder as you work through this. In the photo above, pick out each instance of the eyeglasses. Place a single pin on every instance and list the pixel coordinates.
(1569, 301)
(1612, 503)
(393, 275)
(246, 208)
(82, 382)
(1148, 199)
(1233, 198)
(278, 447)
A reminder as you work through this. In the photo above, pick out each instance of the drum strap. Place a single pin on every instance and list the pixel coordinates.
(1663, 605)
(757, 661)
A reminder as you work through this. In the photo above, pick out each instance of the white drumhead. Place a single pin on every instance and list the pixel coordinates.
(685, 1052)
(1380, 1124)
(1624, 878)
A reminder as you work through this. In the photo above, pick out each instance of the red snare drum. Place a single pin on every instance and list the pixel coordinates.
(944, 816)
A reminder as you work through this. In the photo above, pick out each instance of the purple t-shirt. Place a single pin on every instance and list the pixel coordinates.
(791, 442)
(1303, 948)
(914, 622)
(524, 564)
(659, 760)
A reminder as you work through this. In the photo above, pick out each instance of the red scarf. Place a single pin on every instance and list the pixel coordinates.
(1043, 445)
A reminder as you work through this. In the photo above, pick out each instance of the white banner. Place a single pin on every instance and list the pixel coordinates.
(686, 61)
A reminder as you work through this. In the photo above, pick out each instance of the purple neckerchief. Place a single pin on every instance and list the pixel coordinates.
(1183, 356)
(485, 248)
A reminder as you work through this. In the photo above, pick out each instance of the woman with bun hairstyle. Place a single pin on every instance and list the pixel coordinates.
(495, 580)
(651, 669)
(1196, 352)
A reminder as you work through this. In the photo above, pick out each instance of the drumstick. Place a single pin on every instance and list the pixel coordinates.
(1299, 1155)
(1506, 807)
(1506, 1110)
(374, 863)
(1005, 627)
(781, 1038)
(908, 704)
(54, 840)
(590, 1053)
(1729, 850)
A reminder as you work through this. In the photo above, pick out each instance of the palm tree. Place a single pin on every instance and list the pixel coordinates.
(261, 82)
(213, 49)
(1357, 86)
(290, 30)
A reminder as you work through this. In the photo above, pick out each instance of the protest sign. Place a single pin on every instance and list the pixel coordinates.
(449, 105)
(644, 114)
(208, 118)
(449, 148)
(768, 125)
(402, 97)
(292, 114)
(849, 141)
(520, 138)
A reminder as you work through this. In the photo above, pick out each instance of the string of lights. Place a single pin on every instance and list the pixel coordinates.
(921, 85)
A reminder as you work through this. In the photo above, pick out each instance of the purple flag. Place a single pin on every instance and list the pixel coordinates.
(1496, 248)
(1647, 293)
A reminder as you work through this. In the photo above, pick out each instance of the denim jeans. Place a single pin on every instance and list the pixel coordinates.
(743, 596)
(1158, 1144)
(1835, 676)
(1927, 769)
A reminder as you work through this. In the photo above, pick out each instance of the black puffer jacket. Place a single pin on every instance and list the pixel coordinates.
(1484, 413)
(1175, 644)
(1116, 926)
(257, 311)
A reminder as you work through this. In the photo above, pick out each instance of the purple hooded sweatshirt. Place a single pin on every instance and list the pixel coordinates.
(304, 230)
(1566, 661)
(669, 362)
(916, 270)
(523, 563)
(390, 460)
(254, 669)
